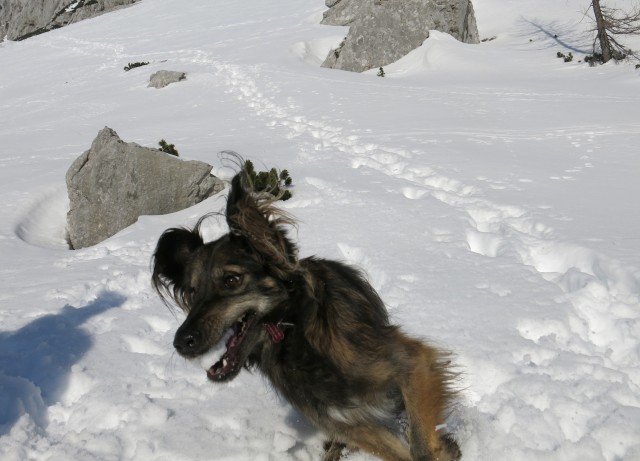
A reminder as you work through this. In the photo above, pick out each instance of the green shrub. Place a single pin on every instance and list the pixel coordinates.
(133, 65)
(168, 148)
(595, 58)
(565, 57)
(269, 181)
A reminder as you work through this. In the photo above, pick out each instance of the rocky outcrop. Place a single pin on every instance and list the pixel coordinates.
(113, 183)
(21, 19)
(163, 78)
(383, 31)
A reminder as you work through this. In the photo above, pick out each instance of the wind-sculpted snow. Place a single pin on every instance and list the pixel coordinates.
(490, 201)
(44, 222)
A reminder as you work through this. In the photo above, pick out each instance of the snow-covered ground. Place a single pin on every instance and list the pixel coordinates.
(490, 192)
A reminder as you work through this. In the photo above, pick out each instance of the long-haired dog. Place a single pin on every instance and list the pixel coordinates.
(316, 328)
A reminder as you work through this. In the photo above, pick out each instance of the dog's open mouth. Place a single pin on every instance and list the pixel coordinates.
(231, 361)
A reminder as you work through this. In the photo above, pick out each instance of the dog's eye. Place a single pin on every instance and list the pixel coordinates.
(232, 280)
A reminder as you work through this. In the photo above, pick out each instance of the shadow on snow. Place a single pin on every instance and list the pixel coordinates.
(36, 360)
(569, 37)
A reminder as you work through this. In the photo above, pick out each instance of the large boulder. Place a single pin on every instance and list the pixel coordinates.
(383, 31)
(114, 183)
(20, 19)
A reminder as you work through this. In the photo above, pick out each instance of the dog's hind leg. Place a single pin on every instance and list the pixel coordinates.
(427, 394)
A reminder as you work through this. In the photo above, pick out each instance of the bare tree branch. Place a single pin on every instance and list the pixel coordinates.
(611, 23)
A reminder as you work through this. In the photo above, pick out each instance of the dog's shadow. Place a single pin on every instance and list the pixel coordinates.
(304, 432)
(303, 428)
(35, 360)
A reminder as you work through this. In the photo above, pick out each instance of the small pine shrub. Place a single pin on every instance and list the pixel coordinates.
(269, 181)
(565, 57)
(380, 72)
(133, 65)
(594, 59)
(168, 148)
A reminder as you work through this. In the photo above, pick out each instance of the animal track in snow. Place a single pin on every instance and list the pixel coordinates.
(413, 193)
(143, 345)
(592, 283)
(485, 243)
(79, 384)
(159, 324)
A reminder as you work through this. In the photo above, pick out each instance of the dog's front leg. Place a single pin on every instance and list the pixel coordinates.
(333, 450)
(377, 440)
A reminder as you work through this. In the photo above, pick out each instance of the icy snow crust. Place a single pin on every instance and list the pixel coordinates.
(490, 192)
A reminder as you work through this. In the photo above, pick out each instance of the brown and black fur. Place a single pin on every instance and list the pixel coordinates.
(340, 363)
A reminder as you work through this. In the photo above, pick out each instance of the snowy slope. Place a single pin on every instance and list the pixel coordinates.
(489, 191)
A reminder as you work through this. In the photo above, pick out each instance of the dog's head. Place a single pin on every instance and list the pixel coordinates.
(232, 287)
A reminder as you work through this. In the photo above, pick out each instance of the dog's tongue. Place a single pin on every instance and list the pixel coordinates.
(274, 331)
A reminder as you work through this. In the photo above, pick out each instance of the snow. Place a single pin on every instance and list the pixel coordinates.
(489, 191)
(71, 8)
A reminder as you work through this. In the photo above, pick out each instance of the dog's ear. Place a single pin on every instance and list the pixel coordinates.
(173, 252)
(252, 216)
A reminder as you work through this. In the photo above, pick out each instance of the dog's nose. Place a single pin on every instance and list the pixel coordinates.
(186, 342)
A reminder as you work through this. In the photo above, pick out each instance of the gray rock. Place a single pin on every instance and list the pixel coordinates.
(114, 183)
(383, 31)
(21, 19)
(163, 78)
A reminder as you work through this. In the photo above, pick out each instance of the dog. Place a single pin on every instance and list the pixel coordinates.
(314, 327)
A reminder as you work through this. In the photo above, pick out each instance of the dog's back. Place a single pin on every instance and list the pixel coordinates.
(352, 373)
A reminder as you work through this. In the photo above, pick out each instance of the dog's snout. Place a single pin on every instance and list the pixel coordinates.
(187, 342)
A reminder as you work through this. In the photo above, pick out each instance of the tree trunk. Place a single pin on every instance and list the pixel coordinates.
(601, 25)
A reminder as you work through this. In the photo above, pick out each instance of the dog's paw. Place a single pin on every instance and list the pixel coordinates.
(450, 449)
(333, 450)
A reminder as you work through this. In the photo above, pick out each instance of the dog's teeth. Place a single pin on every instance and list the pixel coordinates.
(214, 354)
(224, 363)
